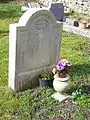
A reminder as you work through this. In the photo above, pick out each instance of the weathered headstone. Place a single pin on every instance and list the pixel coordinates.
(34, 45)
(69, 21)
(72, 22)
(64, 18)
(58, 10)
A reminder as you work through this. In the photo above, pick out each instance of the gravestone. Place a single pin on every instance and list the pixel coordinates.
(34, 45)
(69, 21)
(72, 22)
(58, 10)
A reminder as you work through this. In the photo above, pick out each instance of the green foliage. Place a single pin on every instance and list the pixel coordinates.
(83, 101)
(9, 11)
(47, 75)
(37, 104)
(7, 103)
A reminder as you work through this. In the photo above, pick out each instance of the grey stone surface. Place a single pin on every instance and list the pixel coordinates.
(34, 45)
(77, 30)
(72, 22)
(69, 21)
(59, 96)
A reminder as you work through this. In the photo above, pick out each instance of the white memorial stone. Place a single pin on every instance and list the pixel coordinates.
(60, 97)
(34, 45)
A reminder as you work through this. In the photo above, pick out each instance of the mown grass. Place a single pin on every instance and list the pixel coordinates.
(37, 104)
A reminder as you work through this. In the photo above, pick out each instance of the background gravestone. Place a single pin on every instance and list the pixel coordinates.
(58, 10)
(34, 45)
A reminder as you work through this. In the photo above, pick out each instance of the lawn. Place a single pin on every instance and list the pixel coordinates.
(37, 104)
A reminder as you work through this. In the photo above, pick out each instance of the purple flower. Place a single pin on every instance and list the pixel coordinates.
(62, 64)
(60, 67)
(68, 64)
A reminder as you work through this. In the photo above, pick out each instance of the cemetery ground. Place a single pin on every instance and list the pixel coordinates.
(37, 104)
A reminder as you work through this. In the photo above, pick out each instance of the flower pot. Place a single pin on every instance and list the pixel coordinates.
(76, 24)
(60, 84)
(83, 24)
(46, 83)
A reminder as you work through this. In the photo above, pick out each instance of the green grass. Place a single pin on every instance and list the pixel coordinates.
(37, 104)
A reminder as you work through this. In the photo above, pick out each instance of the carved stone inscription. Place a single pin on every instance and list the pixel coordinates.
(41, 24)
(34, 46)
(34, 50)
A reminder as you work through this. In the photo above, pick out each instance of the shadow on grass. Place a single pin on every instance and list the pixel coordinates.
(81, 70)
(5, 1)
(4, 31)
(80, 78)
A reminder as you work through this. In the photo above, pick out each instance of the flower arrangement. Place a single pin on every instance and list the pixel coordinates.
(46, 79)
(62, 68)
(46, 75)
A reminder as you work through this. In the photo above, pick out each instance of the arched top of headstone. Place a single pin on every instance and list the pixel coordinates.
(34, 46)
(35, 12)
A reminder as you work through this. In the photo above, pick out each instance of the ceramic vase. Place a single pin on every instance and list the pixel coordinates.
(82, 24)
(60, 84)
